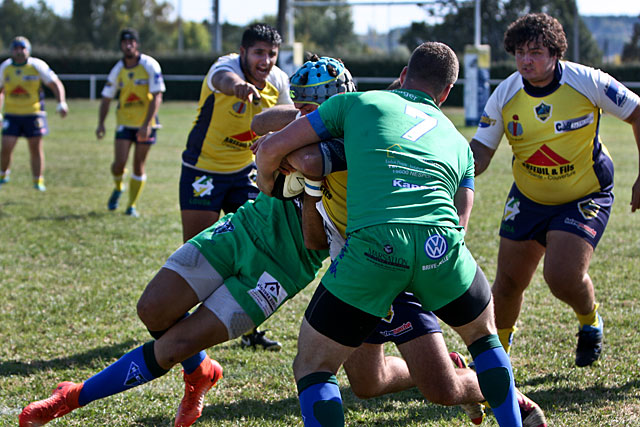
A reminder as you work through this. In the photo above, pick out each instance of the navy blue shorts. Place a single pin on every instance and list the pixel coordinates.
(131, 134)
(525, 219)
(27, 126)
(207, 191)
(406, 321)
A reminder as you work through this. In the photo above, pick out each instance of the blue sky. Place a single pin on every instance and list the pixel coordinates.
(380, 18)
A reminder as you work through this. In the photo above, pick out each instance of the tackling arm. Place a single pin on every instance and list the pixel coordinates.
(273, 119)
(274, 147)
(482, 155)
(634, 121)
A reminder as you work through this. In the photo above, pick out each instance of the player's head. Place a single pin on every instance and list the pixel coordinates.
(129, 42)
(538, 28)
(433, 68)
(20, 49)
(259, 52)
(317, 80)
(260, 33)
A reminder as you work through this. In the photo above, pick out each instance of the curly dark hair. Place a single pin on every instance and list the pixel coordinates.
(260, 32)
(533, 27)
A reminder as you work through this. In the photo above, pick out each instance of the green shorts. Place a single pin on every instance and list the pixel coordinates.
(379, 262)
(260, 256)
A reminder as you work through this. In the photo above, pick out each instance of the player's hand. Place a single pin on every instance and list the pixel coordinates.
(100, 131)
(143, 134)
(265, 182)
(256, 145)
(247, 92)
(286, 168)
(635, 195)
(63, 109)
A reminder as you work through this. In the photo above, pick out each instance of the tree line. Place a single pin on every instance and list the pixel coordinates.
(94, 26)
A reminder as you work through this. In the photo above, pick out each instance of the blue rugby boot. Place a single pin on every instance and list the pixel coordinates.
(589, 343)
(114, 200)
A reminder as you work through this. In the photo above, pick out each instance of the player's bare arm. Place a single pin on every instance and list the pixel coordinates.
(482, 155)
(313, 232)
(57, 88)
(102, 115)
(273, 119)
(145, 129)
(634, 121)
(274, 147)
(463, 201)
(232, 84)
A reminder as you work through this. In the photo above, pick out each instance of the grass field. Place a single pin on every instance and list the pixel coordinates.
(71, 273)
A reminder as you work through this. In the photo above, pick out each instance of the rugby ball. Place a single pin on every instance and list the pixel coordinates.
(287, 187)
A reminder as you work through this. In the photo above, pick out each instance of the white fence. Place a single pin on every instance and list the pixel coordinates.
(94, 78)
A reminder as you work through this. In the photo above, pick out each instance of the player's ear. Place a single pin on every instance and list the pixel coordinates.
(403, 75)
(445, 93)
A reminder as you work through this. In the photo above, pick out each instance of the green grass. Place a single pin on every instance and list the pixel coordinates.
(71, 273)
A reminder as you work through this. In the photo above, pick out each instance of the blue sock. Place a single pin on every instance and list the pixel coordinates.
(493, 369)
(191, 364)
(320, 401)
(131, 370)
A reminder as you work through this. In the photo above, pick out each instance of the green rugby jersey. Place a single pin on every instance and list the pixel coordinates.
(406, 159)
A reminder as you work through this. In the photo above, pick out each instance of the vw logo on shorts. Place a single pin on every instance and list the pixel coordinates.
(436, 246)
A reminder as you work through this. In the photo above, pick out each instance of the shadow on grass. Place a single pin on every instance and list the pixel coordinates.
(258, 412)
(550, 394)
(15, 367)
(68, 217)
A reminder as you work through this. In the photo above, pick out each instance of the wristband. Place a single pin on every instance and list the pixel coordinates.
(62, 106)
(313, 188)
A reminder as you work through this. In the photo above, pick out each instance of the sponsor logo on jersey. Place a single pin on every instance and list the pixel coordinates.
(402, 329)
(30, 77)
(546, 163)
(511, 209)
(563, 126)
(543, 111)
(394, 149)
(240, 141)
(436, 246)
(130, 75)
(514, 127)
(580, 226)
(545, 156)
(268, 294)
(401, 183)
(385, 259)
(588, 209)
(19, 92)
(239, 107)
(141, 82)
(134, 376)
(615, 93)
(225, 227)
(486, 121)
(132, 99)
(18, 72)
(202, 186)
(388, 248)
